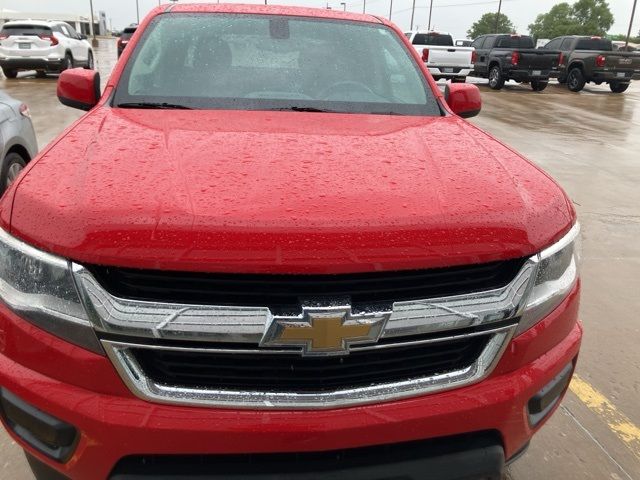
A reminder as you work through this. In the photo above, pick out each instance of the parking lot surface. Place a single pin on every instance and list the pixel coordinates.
(590, 142)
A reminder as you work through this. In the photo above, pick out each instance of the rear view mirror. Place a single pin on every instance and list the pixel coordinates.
(79, 88)
(463, 99)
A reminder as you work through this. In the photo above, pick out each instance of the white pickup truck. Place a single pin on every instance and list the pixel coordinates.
(441, 56)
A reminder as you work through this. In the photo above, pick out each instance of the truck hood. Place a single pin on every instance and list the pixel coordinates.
(283, 192)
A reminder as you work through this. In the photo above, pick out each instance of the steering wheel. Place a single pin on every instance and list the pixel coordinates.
(345, 85)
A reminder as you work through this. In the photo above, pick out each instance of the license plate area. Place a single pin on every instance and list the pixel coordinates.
(621, 75)
(448, 70)
(24, 46)
(536, 73)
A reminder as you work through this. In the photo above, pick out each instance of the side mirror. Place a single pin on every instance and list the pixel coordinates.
(82, 36)
(463, 99)
(79, 88)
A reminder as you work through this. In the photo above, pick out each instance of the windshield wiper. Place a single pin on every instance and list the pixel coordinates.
(158, 105)
(303, 109)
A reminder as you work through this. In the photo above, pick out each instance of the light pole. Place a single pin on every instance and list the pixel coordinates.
(430, 11)
(633, 13)
(413, 11)
(138, 11)
(498, 16)
(364, 7)
(390, 9)
(92, 32)
(344, 6)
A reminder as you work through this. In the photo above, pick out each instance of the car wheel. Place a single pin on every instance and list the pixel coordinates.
(10, 73)
(12, 165)
(575, 80)
(539, 85)
(617, 87)
(496, 79)
(67, 63)
(90, 62)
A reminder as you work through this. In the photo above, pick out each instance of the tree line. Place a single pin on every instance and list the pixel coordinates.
(584, 17)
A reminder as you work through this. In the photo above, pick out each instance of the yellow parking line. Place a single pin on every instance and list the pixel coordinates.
(616, 420)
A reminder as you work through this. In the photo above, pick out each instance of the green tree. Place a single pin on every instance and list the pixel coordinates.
(594, 16)
(585, 17)
(487, 24)
(557, 22)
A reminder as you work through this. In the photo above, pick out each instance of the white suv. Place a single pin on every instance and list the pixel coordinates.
(42, 46)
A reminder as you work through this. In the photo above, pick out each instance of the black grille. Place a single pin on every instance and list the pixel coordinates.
(477, 455)
(276, 372)
(284, 293)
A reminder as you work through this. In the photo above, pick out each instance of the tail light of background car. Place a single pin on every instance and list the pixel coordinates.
(601, 60)
(425, 54)
(474, 57)
(561, 59)
(515, 58)
(3, 36)
(51, 38)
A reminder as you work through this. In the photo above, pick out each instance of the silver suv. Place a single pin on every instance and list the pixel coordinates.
(46, 47)
(17, 139)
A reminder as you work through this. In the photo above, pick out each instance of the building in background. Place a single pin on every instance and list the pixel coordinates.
(81, 23)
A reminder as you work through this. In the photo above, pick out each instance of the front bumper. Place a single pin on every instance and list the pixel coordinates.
(31, 63)
(83, 389)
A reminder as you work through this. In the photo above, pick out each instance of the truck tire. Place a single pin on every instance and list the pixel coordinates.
(496, 79)
(539, 85)
(576, 80)
(12, 165)
(617, 87)
(9, 73)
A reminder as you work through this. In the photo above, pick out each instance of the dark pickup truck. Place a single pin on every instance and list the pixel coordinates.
(593, 59)
(513, 57)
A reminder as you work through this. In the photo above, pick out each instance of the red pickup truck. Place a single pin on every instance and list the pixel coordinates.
(273, 249)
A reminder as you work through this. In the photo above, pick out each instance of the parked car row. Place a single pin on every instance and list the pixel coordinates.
(573, 60)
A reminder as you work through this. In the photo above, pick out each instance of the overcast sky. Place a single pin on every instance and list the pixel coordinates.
(454, 16)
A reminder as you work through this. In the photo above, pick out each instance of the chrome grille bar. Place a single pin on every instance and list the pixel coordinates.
(146, 388)
(210, 323)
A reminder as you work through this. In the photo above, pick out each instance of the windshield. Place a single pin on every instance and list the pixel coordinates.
(260, 62)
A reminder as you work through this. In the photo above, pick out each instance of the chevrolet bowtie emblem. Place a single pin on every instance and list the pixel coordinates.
(324, 331)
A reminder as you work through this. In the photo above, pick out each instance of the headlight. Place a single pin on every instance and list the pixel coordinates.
(39, 287)
(556, 273)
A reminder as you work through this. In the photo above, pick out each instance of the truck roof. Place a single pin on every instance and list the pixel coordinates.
(269, 10)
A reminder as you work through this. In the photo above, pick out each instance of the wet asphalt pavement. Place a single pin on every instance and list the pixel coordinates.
(589, 142)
